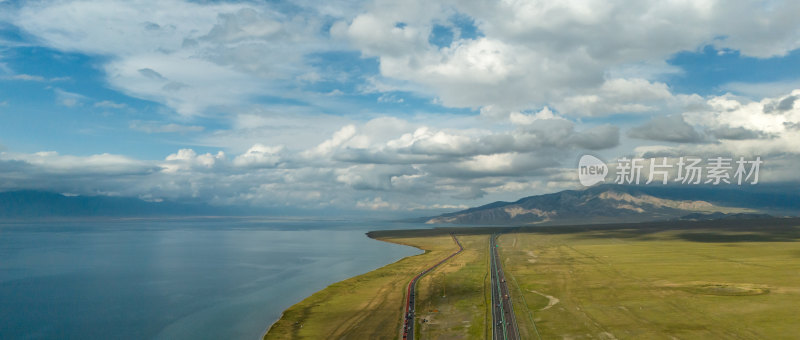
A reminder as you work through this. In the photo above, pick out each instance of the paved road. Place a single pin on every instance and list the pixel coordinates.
(504, 324)
(408, 323)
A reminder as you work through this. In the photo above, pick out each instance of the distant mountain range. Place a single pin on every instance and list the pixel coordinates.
(616, 204)
(39, 204)
(599, 204)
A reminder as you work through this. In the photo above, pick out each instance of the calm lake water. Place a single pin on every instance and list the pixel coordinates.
(200, 279)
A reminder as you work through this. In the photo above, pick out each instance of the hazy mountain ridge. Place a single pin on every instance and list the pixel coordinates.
(40, 204)
(616, 203)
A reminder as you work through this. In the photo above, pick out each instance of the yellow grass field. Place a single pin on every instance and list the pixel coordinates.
(651, 284)
(668, 280)
(370, 306)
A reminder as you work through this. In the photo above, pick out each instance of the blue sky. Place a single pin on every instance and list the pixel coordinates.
(377, 105)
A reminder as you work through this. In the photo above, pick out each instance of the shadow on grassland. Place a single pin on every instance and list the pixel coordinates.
(717, 231)
(709, 237)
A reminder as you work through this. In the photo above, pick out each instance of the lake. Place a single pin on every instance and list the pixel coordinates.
(173, 279)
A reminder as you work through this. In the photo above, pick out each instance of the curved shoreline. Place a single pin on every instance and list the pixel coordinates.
(266, 330)
(363, 304)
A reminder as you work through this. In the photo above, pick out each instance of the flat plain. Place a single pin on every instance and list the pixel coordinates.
(736, 279)
(454, 298)
(370, 306)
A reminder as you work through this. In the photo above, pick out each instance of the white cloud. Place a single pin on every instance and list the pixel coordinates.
(280, 125)
(188, 159)
(426, 144)
(180, 85)
(54, 163)
(519, 118)
(260, 155)
(107, 104)
(158, 127)
(157, 48)
(667, 129)
(68, 99)
(139, 26)
(325, 148)
(26, 77)
(767, 115)
(539, 73)
(388, 163)
(581, 58)
(585, 58)
(376, 203)
(760, 90)
(743, 128)
(426, 165)
(618, 96)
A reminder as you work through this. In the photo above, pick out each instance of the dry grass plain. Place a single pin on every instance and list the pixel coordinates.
(668, 280)
(454, 298)
(691, 283)
(370, 306)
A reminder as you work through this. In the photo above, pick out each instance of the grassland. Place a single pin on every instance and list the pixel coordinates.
(370, 306)
(455, 298)
(684, 280)
(688, 282)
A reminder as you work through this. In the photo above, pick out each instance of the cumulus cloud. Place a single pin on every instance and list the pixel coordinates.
(389, 163)
(762, 89)
(397, 158)
(188, 159)
(178, 84)
(531, 135)
(520, 118)
(494, 165)
(782, 105)
(530, 54)
(53, 162)
(260, 155)
(767, 115)
(537, 78)
(627, 95)
(376, 203)
(598, 138)
(95, 174)
(667, 129)
(737, 133)
(589, 59)
(157, 47)
(340, 137)
(743, 129)
(584, 59)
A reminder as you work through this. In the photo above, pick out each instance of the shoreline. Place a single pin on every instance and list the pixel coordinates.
(368, 235)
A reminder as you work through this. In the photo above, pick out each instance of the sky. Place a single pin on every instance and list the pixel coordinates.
(385, 106)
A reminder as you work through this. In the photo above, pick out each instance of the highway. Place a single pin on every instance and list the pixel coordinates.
(408, 322)
(504, 324)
